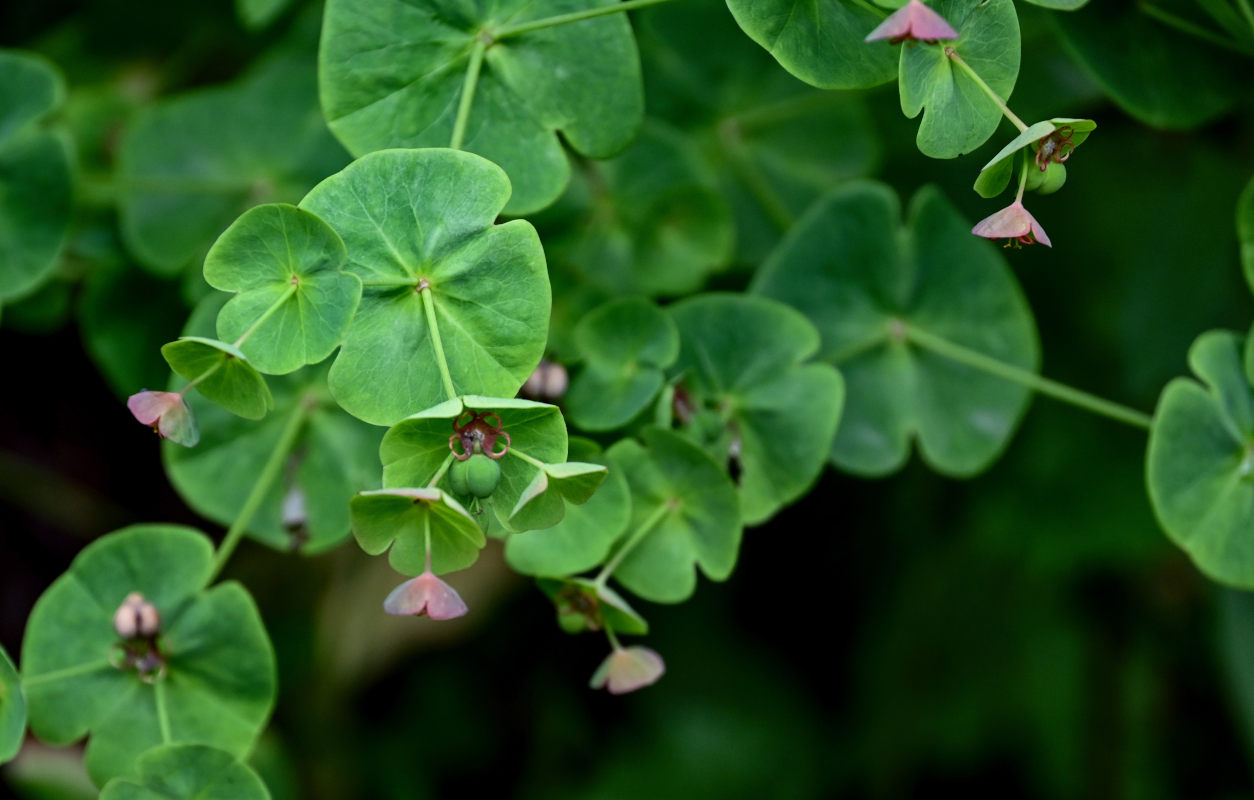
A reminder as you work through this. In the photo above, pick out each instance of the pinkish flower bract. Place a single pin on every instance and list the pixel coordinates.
(425, 595)
(1013, 223)
(628, 669)
(167, 414)
(913, 21)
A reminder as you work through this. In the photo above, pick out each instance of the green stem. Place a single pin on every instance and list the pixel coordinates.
(1023, 176)
(535, 462)
(468, 91)
(439, 473)
(748, 172)
(390, 283)
(576, 16)
(204, 374)
(988, 90)
(876, 10)
(1192, 29)
(163, 715)
(283, 298)
(636, 537)
(609, 632)
(1031, 380)
(855, 349)
(261, 489)
(428, 304)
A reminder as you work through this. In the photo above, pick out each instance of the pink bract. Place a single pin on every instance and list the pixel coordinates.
(628, 669)
(913, 21)
(167, 413)
(425, 595)
(1012, 222)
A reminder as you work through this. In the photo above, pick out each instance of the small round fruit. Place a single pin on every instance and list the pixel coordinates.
(457, 479)
(483, 475)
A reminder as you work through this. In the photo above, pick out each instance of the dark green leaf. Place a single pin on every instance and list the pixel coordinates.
(12, 710)
(1245, 231)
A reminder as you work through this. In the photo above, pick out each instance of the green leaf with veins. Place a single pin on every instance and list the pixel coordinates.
(12, 710)
(1245, 231)
(684, 514)
(393, 74)
(334, 456)
(1200, 461)
(188, 772)
(184, 176)
(958, 116)
(416, 449)
(582, 539)
(625, 345)
(866, 284)
(405, 519)
(222, 374)
(743, 357)
(423, 219)
(35, 174)
(294, 302)
(218, 685)
(821, 42)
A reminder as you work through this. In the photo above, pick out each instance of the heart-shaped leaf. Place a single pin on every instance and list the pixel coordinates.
(417, 450)
(294, 303)
(996, 173)
(778, 416)
(684, 514)
(35, 174)
(625, 345)
(1245, 231)
(12, 710)
(413, 522)
(583, 538)
(188, 772)
(957, 114)
(822, 42)
(1200, 462)
(394, 75)
(866, 284)
(184, 175)
(216, 682)
(441, 281)
(221, 373)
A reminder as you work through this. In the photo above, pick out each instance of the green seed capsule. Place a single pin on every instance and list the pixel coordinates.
(572, 621)
(1049, 181)
(457, 479)
(483, 475)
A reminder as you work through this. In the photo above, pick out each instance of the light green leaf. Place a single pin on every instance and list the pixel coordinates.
(392, 75)
(222, 374)
(625, 345)
(407, 520)
(821, 42)
(294, 303)
(258, 14)
(188, 772)
(583, 538)
(218, 684)
(1245, 231)
(12, 710)
(996, 173)
(959, 116)
(592, 607)
(1200, 462)
(865, 284)
(31, 86)
(184, 175)
(776, 417)
(414, 218)
(688, 509)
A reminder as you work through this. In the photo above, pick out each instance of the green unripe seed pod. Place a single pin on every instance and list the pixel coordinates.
(457, 479)
(483, 475)
(572, 621)
(1049, 181)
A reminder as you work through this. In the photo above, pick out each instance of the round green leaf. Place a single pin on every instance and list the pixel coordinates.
(35, 201)
(407, 519)
(690, 510)
(625, 345)
(219, 681)
(959, 116)
(1245, 231)
(188, 772)
(865, 284)
(424, 218)
(1200, 462)
(12, 710)
(651, 221)
(822, 42)
(31, 87)
(222, 374)
(417, 448)
(1175, 80)
(583, 538)
(185, 174)
(393, 75)
(778, 415)
(294, 303)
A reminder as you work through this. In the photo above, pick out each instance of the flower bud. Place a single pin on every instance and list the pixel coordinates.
(136, 618)
(425, 595)
(628, 669)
